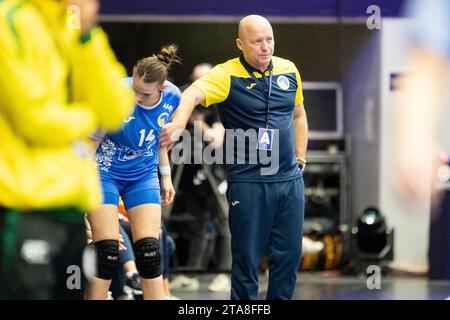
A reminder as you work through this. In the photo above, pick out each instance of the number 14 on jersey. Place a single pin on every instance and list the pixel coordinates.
(150, 137)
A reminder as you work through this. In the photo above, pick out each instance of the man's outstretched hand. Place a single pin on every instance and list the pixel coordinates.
(170, 134)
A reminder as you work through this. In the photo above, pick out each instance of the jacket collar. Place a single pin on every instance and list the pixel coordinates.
(252, 69)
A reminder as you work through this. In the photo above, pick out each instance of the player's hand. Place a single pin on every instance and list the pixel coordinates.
(167, 190)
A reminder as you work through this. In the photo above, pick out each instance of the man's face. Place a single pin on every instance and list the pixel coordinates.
(257, 45)
(147, 94)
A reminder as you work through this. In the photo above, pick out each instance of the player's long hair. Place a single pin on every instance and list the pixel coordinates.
(155, 68)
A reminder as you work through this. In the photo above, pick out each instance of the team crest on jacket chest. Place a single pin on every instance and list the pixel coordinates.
(283, 82)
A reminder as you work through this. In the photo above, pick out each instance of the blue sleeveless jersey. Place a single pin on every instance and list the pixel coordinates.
(132, 153)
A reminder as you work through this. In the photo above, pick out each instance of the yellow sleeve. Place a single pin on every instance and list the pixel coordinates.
(98, 81)
(299, 93)
(28, 102)
(215, 85)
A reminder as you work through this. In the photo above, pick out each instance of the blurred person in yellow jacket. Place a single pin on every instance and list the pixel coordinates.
(59, 82)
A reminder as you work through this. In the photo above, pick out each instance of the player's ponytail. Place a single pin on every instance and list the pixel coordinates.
(168, 55)
(155, 68)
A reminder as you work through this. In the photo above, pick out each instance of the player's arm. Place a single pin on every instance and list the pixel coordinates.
(167, 190)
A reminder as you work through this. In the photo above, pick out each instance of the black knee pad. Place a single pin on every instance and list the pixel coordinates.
(148, 258)
(107, 258)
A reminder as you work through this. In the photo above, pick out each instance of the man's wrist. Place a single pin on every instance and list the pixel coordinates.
(301, 162)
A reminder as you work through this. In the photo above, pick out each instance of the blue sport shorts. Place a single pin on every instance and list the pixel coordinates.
(133, 193)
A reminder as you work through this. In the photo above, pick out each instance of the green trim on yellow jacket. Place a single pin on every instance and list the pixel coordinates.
(8, 238)
(10, 17)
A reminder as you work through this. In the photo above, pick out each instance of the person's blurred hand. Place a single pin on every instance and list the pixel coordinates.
(88, 10)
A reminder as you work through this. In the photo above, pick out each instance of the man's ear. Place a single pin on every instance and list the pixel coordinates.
(239, 44)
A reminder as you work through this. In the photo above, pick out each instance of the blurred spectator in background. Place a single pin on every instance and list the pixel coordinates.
(420, 110)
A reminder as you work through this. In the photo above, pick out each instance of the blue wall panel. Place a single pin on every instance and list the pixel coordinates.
(283, 8)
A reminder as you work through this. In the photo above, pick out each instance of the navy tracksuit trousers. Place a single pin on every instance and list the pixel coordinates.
(265, 218)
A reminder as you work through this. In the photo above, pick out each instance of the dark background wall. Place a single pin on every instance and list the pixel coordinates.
(321, 51)
(286, 8)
